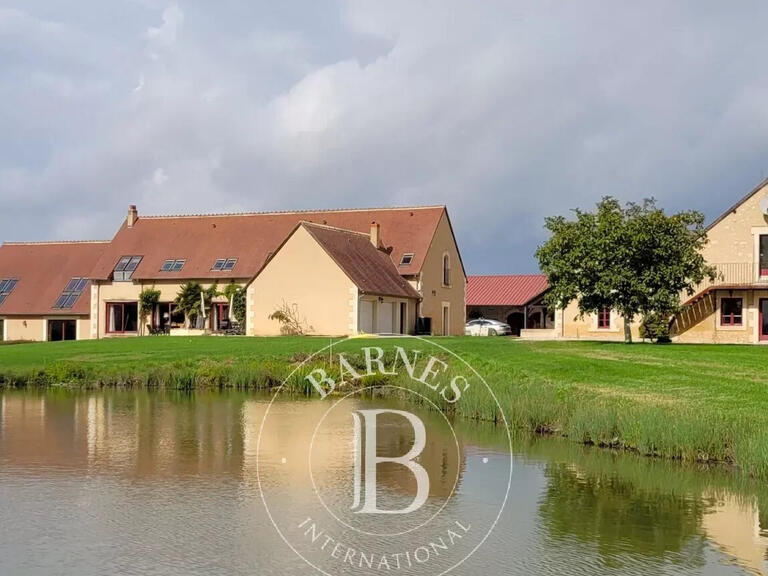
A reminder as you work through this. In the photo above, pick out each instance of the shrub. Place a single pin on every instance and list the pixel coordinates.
(655, 327)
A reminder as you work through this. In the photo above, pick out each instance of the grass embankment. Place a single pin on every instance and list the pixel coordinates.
(695, 403)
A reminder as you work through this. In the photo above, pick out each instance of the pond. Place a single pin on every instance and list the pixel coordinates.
(168, 483)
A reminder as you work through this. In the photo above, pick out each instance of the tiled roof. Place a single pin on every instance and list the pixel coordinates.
(505, 290)
(251, 238)
(371, 269)
(44, 269)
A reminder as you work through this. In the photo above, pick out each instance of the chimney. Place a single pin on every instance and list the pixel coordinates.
(375, 234)
(133, 215)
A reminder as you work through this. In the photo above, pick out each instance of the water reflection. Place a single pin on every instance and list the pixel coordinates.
(618, 517)
(122, 456)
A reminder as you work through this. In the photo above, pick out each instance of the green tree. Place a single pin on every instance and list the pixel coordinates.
(148, 299)
(633, 259)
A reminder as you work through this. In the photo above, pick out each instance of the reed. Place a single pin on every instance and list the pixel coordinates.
(691, 403)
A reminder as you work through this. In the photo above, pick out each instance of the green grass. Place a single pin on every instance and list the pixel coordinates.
(695, 403)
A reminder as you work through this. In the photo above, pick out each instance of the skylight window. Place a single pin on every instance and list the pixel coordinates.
(125, 268)
(406, 259)
(71, 293)
(173, 265)
(6, 287)
(224, 264)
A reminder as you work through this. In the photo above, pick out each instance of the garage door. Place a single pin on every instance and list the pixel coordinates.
(365, 317)
(384, 314)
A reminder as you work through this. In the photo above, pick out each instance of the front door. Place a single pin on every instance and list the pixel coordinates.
(764, 319)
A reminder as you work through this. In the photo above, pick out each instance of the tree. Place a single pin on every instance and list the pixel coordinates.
(633, 259)
(148, 299)
(188, 300)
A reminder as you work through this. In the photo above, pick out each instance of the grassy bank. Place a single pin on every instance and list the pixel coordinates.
(695, 403)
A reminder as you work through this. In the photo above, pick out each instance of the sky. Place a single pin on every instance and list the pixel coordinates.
(506, 112)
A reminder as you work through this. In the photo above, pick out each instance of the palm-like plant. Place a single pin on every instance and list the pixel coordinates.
(148, 299)
(188, 301)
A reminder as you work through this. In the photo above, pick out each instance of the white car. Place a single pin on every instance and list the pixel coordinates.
(485, 327)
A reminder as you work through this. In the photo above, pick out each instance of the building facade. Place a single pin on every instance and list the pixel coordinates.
(412, 250)
(733, 308)
(516, 299)
(45, 291)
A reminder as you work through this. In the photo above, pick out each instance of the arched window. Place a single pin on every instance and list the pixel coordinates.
(446, 270)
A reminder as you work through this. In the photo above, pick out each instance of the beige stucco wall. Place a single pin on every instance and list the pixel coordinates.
(303, 276)
(434, 293)
(700, 323)
(106, 292)
(734, 239)
(25, 329)
(35, 328)
(572, 327)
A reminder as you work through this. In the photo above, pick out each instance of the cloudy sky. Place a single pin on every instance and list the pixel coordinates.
(505, 111)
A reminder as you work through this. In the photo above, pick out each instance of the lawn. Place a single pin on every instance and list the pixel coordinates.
(702, 403)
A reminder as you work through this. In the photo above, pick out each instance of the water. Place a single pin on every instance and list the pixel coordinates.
(160, 483)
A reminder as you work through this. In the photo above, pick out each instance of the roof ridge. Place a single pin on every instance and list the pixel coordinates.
(279, 212)
(763, 183)
(530, 274)
(334, 228)
(54, 242)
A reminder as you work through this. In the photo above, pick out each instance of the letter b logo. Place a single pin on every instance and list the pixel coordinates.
(367, 460)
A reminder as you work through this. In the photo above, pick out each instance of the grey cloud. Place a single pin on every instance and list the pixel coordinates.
(507, 112)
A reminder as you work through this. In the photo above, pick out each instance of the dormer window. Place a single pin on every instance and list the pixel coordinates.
(125, 268)
(406, 259)
(173, 265)
(6, 287)
(71, 293)
(224, 264)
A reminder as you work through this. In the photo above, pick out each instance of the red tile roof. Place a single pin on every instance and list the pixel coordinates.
(251, 238)
(371, 269)
(505, 290)
(44, 269)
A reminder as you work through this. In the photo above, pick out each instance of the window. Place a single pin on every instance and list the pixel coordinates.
(763, 263)
(406, 259)
(6, 287)
(173, 265)
(122, 317)
(224, 264)
(220, 316)
(446, 270)
(125, 268)
(731, 312)
(167, 316)
(59, 330)
(71, 293)
(604, 318)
